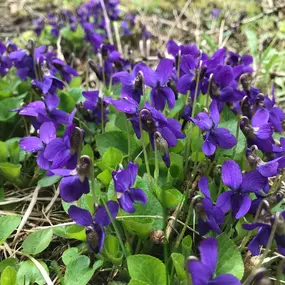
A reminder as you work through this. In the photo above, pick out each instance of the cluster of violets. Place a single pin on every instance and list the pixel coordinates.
(185, 72)
(90, 17)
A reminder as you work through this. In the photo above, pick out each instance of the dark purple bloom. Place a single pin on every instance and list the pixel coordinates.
(39, 25)
(94, 225)
(202, 272)
(237, 199)
(128, 24)
(131, 83)
(214, 137)
(173, 48)
(223, 87)
(157, 80)
(5, 62)
(124, 180)
(63, 151)
(75, 181)
(276, 114)
(265, 228)
(47, 133)
(210, 216)
(187, 65)
(63, 69)
(93, 103)
(165, 130)
(260, 131)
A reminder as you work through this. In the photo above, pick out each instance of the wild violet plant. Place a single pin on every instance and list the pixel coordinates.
(152, 161)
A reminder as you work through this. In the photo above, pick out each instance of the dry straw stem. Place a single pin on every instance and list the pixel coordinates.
(37, 264)
(28, 212)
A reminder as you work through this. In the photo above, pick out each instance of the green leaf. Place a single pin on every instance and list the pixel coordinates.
(70, 35)
(151, 208)
(69, 255)
(78, 271)
(12, 262)
(9, 104)
(37, 241)
(179, 263)
(186, 246)
(14, 151)
(7, 225)
(111, 158)
(105, 177)
(75, 82)
(139, 226)
(115, 139)
(172, 197)
(7, 88)
(87, 150)
(28, 273)
(76, 94)
(137, 282)
(10, 171)
(67, 103)
(252, 41)
(9, 276)
(48, 181)
(229, 260)
(112, 250)
(3, 151)
(147, 269)
(71, 232)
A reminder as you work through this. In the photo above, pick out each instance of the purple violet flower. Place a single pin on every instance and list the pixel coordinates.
(75, 181)
(202, 272)
(237, 199)
(47, 133)
(131, 83)
(124, 180)
(262, 236)
(213, 136)
(95, 223)
(211, 216)
(157, 80)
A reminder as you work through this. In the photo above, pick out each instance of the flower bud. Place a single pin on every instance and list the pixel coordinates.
(157, 237)
(83, 167)
(92, 239)
(76, 140)
(245, 81)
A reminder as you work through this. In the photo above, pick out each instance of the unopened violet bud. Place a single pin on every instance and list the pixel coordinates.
(245, 106)
(161, 143)
(148, 121)
(76, 140)
(92, 239)
(199, 210)
(83, 167)
(245, 81)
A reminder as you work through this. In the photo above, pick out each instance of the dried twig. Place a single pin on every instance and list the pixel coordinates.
(28, 212)
(54, 198)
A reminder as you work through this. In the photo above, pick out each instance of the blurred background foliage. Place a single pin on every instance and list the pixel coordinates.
(244, 26)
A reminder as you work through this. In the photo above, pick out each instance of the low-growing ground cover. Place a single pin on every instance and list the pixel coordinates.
(130, 157)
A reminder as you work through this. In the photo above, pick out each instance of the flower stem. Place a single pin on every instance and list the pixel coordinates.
(186, 222)
(144, 147)
(278, 219)
(156, 169)
(129, 137)
(237, 136)
(125, 252)
(192, 115)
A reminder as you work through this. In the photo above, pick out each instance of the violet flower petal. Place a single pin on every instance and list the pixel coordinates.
(231, 174)
(80, 216)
